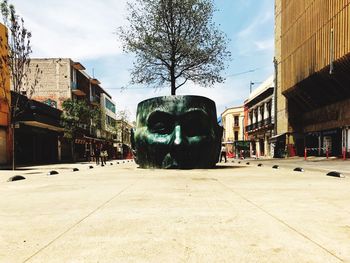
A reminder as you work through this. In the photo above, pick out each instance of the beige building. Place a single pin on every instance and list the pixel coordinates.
(233, 124)
(312, 56)
(124, 139)
(109, 116)
(54, 80)
(261, 119)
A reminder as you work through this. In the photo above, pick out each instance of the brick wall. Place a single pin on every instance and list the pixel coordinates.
(54, 80)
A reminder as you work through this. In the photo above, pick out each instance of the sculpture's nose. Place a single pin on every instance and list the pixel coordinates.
(178, 140)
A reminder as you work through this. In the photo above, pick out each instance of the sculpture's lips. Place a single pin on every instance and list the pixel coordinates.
(169, 162)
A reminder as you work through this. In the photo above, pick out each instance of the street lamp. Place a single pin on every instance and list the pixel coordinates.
(251, 85)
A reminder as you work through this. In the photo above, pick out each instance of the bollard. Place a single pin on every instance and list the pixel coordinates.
(305, 153)
(335, 174)
(327, 153)
(16, 178)
(344, 154)
(53, 172)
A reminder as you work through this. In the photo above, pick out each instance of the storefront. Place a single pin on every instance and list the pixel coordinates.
(242, 148)
(319, 142)
(37, 132)
(278, 145)
(35, 145)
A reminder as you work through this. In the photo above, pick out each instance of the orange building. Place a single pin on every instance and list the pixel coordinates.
(5, 101)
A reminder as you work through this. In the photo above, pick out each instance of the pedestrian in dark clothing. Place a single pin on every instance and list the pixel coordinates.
(223, 153)
(104, 155)
(97, 154)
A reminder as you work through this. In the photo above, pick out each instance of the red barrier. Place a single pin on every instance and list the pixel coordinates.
(327, 153)
(305, 153)
(344, 153)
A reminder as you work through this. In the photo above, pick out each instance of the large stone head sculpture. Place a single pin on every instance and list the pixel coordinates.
(176, 132)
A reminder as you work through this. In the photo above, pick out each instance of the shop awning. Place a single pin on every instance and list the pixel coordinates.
(278, 137)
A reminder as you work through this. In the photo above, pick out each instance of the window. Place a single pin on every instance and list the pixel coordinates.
(268, 106)
(236, 135)
(110, 121)
(251, 117)
(236, 121)
(109, 105)
(262, 112)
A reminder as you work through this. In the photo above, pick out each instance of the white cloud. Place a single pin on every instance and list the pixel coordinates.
(253, 36)
(83, 30)
(77, 29)
(256, 24)
(266, 44)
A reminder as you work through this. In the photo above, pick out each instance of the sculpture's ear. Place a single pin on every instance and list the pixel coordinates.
(132, 139)
(219, 133)
(133, 146)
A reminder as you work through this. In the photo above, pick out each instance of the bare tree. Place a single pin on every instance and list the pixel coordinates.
(122, 120)
(122, 129)
(76, 115)
(174, 41)
(17, 61)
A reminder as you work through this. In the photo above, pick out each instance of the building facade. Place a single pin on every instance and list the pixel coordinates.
(61, 79)
(37, 132)
(312, 62)
(233, 135)
(109, 116)
(260, 119)
(109, 124)
(124, 139)
(5, 101)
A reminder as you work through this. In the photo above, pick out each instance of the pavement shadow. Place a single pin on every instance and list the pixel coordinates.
(229, 167)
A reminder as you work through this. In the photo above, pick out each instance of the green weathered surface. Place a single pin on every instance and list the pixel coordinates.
(177, 132)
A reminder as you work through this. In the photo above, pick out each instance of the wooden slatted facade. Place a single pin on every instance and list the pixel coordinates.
(313, 73)
(314, 33)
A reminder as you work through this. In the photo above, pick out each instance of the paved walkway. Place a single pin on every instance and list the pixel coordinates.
(120, 213)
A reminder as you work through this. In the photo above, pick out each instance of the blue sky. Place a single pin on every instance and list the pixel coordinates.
(83, 30)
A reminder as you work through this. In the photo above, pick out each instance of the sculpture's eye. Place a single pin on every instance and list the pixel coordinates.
(160, 122)
(195, 123)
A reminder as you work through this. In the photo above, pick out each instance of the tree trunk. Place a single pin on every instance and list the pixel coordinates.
(72, 149)
(13, 147)
(173, 80)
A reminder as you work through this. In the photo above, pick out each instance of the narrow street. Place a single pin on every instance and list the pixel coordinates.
(120, 213)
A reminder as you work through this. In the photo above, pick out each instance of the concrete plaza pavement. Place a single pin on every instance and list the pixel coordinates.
(120, 213)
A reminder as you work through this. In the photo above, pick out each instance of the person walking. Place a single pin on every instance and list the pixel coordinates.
(97, 152)
(104, 155)
(223, 153)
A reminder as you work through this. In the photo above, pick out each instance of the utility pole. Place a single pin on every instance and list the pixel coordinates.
(251, 84)
(275, 64)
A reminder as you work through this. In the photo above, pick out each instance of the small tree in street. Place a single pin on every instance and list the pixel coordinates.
(17, 61)
(174, 41)
(122, 119)
(78, 115)
(121, 127)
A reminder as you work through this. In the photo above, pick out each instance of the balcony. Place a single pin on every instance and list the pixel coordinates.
(95, 81)
(95, 100)
(267, 121)
(76, 91)
(263, 124)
